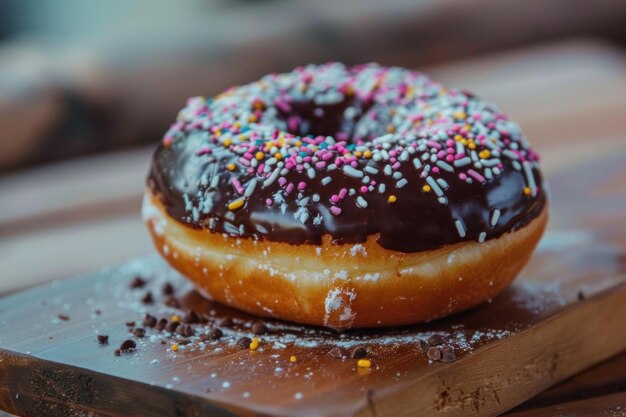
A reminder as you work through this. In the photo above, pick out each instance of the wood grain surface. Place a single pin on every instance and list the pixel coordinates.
(570, 99)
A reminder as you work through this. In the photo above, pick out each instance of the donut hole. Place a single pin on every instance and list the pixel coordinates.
(337, 119)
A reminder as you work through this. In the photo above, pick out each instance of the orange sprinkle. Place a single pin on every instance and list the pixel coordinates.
(259, 155)
(278, 156)
(526, 191)
(231, 167)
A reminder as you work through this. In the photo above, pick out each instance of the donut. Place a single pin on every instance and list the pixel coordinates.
(346, 197)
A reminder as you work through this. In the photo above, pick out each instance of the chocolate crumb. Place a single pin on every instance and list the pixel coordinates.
(139, 332)
(185, 330)
(137, 282)
(183, 342)
(117, 352)
(161, 325)
(436, 340)
(336, 353)
(423, 344)
(172, 302)
(191, 317)
(98, 312)
(259, 328)
(149, 321)
(163, 342)
(148, 299)
(128, 346)
(581, 296)
(167, 289)
(130, 323)
(215, 334)
(447, 354)
(227, 322)
(434, 353)
(172, 326)
(103, 339)
(358, 352)
(244, 343)
(63, 317)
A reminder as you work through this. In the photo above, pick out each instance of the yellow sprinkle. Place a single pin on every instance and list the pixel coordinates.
(484, 154)
(231, 167)
(242, 137)
(471, 145)
(252, 118)
(364, 363)
(254, 344)
(298, 143)
(392, 198)
(278, 156)
(292, 359)
(426, 188)
(367, 154)
(259, 155)
(236, 204)
(227, 143)
(458, 138)
(174, 348)
(391, 128)
(526, 191)
(236, 125)
(175, 318)
(459, 115)
(358, 154)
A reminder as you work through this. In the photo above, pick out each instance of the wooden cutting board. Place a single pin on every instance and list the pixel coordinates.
(565, 312)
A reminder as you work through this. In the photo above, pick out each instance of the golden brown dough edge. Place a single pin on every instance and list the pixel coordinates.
(341, 286)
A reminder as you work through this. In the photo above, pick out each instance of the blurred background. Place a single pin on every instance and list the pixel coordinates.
(88, 88)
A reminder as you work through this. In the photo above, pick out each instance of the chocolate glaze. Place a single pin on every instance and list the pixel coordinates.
(417, 221)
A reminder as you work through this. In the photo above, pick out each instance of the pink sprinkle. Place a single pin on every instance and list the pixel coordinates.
(320, 164)
(334, 198)
(289, 188)
(301, 185)
(237, 186)
(282, 181)
(476, 175)
(268, 201)
(293, 123)
(335, 210)
(433, 144)
(396, 165)
(343, 192)
(449, 158)
(364, 189)
(435, 170)
(462, 176)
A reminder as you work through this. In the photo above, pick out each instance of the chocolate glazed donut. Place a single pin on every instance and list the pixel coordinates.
(330, 157)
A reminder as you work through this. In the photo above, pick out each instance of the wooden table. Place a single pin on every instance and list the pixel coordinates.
(562, 95)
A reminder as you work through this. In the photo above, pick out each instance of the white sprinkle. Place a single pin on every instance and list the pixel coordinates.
(445, 165)
(250, 188)
(495, 217)
(481, 237)
(331, 167)
(381, 188)
(326, 180)
(404, 156)
(271, 178)
(387, 169)
(315, 198)
(517, 166)
(351, 172)
(401, 183)
(460, 228)
(298, 395)
(361, 202)
(417, 163)
(462, 162)
(510, 154)
(214, 181)
(371, 170)
(433, 184)
(311, 173)
(442, 183)
(225, 384)
(530, 178)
